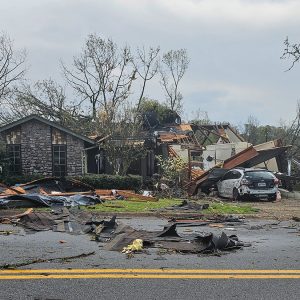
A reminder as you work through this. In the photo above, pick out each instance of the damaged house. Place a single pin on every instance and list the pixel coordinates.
(211, 149)
(38, 146)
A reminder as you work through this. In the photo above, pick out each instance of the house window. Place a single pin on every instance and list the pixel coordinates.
(14, 156)
(59, 160)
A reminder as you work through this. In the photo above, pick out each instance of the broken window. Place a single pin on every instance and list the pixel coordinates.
(58, 137)
(14, 136)
(59, 159)
(14, 156)
(13, 150)
(232, 175)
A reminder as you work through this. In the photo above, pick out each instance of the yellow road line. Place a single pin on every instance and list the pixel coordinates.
(157, 271)
(26, 274)
(146, 276)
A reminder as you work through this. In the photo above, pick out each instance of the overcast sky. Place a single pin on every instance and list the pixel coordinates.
(234, 46)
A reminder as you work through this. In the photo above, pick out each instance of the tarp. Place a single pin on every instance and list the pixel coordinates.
(39, 200)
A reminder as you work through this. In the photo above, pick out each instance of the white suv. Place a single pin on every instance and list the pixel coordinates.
(241, 183)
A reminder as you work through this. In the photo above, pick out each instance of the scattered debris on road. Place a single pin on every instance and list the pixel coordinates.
(123, 238)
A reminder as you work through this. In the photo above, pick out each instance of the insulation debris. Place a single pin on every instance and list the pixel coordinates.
(137, 245)
(124, 194)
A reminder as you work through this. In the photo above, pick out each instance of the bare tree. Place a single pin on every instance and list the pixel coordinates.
(11, 65)
(102, 75)
(45, 98)
(291, 51)
(173, 67)
(293, 133)
(126, 143)
(146, 65)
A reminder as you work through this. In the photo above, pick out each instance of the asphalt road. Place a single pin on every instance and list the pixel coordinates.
(269, 269)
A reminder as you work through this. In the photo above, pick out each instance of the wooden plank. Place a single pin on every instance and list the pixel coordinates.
(136, 196)
(107, 194)
(103, 192)
(240, 158)
(42, 191)
(12, 190)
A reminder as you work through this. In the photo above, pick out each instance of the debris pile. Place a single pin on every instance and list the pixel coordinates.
(192, 221)
(52, 191)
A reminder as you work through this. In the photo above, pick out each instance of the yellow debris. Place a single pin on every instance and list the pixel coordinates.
(137, 245)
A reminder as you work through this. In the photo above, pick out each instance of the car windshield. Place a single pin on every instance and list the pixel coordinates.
(259, 174)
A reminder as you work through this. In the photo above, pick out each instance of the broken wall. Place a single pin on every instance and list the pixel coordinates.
(217, 153)
(183, 153)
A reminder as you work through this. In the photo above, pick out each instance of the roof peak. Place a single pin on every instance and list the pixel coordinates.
(48, 122)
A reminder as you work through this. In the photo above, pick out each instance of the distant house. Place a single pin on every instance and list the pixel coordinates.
(38, 146)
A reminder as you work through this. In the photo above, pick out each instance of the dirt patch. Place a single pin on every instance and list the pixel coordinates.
(284, 209)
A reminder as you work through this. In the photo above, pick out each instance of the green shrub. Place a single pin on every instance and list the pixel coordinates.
(103, 181)
(98, 181)
(18, 179)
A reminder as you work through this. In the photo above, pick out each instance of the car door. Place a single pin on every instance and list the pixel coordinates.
(224, 185)
(233, 182)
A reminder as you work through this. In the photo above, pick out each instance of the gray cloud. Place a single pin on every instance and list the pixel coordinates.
(234, 46)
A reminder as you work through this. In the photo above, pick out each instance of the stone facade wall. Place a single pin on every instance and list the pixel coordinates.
(36, 148)
(74, 155)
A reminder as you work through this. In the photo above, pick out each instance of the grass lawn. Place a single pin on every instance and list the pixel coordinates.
(229, 208)
(130, 206)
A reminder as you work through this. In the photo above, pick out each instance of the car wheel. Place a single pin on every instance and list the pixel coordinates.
(236, 195)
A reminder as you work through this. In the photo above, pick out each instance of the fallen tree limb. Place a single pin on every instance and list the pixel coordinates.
(41, 260)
